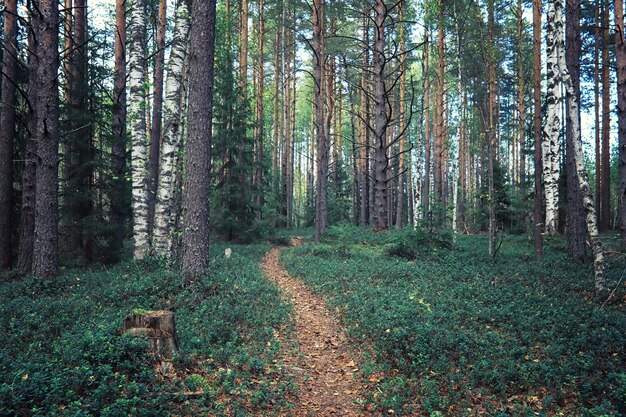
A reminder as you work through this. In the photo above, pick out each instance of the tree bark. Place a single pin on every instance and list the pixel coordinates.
(492, 130)
(157, 117)
(27, 212)
(439, 120)
(558, 25)
(46, 243)
(195, 200)
(551, 142)
(138, 132)
(521, 105)
(605, 204)
(576, 225)
(538, 203)
(165, 212)
(427, 140)
(259, 126)
(620, 58)
(118, 147)
(319, 61)
(7, 131)
(402, 126)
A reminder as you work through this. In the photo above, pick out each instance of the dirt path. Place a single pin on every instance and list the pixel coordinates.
(324, 367)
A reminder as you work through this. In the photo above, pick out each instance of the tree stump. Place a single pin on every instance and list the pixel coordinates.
(158, 326)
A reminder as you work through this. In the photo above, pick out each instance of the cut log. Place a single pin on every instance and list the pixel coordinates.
(158, 326)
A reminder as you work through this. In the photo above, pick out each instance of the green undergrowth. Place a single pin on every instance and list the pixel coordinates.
(450, 332)
(61, 352)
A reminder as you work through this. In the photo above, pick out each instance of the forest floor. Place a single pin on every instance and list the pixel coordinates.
(324, 362)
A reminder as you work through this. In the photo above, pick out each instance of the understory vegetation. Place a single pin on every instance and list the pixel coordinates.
(444, 330)
(62, 353)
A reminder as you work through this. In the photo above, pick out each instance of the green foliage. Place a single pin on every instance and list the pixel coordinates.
(451, 328)
(413, 244)
(62, 353)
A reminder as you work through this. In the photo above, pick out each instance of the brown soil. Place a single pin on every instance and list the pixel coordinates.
(324, 366)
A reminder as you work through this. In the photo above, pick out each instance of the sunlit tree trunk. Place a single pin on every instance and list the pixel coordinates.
(165, 212)
(7, 131)
(259, 122)
(439, 119)
(551, 142)
(427, 140)
(138, 131)
(319, 62)
(402, 126)
(556, 22)
(196, 188)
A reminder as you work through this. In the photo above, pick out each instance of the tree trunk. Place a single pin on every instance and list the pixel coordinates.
(319, 61)
(538, 215)
(7, 131)
(427, 140)
(27, 212)
(596, 91)
(364, 134)
(439, 120)
(521, 105)
(137, 116)
(158, 326)
(620, 58)
(118, 147)
(165, 212)
(402, 126)
(258, 175)
(551, 143)
(492, 131)
(576, 226)
(556, 23)
(46, 243)
(605, 218)
(157, 116)
(196, 189)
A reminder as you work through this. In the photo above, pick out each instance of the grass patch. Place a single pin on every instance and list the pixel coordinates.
(62, 354)
(452, 332)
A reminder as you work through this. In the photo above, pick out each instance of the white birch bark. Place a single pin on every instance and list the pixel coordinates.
(137, 119)
(583, 182)
(165, 212)
(551, 137)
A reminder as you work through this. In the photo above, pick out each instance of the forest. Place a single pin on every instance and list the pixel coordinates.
(313, 208)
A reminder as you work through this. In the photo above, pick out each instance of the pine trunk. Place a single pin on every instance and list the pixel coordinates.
(538, 202)
(620, 58)
(118, 147)
(165, 212)
(605, 218)
(7, 131)
(319, 61)
(195, 198)
(576, 225)
(258, 175)
(46, 243)
(402, 127)
(380, 118)
(427, 139)
(157, 116)
(439, 121)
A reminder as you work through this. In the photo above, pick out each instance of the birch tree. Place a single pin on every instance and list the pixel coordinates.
(552, 130)
(556, 24)
(165, 211)
(137, 119)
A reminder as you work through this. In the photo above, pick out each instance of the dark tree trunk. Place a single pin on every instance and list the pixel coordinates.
(119, 203)
(7, 131)
(27, 212)
(46, 243)
(576, 231)
(195, 199)
(620, 55)
(538, 215)
(157, 115)
(605, 198)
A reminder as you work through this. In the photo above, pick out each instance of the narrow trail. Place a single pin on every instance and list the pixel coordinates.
(324, 364)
